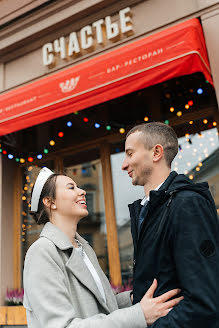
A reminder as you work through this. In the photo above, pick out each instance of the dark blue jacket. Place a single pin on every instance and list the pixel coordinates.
(179, 245)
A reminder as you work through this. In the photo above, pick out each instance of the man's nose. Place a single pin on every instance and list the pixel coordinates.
(124, 165)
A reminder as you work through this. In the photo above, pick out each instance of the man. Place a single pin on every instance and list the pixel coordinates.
(175, 233)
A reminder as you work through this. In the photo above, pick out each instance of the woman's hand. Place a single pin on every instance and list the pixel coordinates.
(157, 307)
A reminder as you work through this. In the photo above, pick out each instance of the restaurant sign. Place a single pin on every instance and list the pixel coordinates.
(88, 38)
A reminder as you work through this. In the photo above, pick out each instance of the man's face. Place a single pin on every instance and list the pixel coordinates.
(138, 161)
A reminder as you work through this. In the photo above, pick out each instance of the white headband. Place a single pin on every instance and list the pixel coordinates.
(38, 187)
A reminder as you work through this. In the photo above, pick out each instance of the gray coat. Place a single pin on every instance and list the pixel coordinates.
(59, 291)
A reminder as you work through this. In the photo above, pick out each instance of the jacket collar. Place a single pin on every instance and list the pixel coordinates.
(156, 197)
(58, 237)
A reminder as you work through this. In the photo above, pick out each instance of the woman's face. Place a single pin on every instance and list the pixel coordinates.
(70, 200)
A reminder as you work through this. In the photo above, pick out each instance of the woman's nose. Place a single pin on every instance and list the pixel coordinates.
(82, 191)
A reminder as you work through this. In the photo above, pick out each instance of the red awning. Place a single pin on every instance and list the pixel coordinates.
(176, 51)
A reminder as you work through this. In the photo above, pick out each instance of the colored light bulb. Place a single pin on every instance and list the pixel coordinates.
(61, 134)
(200, 91)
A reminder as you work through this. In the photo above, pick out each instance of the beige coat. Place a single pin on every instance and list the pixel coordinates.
(59, 292)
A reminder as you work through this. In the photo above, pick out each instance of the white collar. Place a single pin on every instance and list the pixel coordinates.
(144, 200)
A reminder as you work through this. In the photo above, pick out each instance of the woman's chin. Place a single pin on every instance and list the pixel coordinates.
(84, 214)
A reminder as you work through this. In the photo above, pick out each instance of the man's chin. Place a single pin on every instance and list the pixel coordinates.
(134, 182)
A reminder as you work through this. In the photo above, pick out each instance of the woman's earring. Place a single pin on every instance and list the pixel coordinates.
(53, 207)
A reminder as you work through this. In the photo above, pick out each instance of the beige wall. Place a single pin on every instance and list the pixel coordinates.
(11, 9)
(6, 225)
(210, 23)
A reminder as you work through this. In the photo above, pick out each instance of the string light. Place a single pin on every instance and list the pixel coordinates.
(69, 124)
(187, 106)
(4, 152)
(146, 119)
(39, 156)
(85, 119)
(167, 122)
(171, 109)
(22, 160)
(45, 151)
(30, 159)
(200, 91)
(190, 122)
(61, 134)
(214, 123)
(197, 168)
(122, 130)
(10, 156)
(97, 125)
(108, 127)
(190, 103)
(52, 143)
(179, 113)
(205, 121)
(191, 177)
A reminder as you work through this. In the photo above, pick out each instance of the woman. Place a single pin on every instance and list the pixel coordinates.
(64, 285)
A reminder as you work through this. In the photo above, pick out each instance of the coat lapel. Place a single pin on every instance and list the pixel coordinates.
(111, 304)
(77, 266)
(79, 269)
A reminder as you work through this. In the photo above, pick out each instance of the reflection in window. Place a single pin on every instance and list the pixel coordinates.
(198, 158)
(30, 230)
(124, 194)
(88, 176)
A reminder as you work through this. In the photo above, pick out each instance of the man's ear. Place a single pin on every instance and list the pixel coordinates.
(158, 153)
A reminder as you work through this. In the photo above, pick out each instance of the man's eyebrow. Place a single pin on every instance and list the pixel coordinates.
(128, 149)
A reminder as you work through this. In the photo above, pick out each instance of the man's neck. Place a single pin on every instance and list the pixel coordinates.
(155, 181)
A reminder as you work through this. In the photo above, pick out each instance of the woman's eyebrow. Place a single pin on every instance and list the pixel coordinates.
(70, 184)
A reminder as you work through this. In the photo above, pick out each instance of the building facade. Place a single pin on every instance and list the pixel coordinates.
(106, 85)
